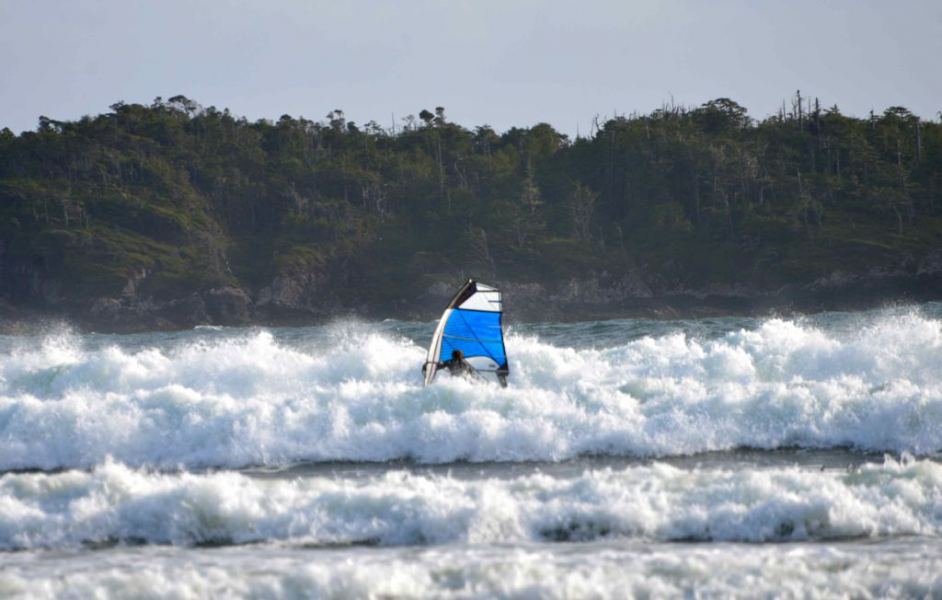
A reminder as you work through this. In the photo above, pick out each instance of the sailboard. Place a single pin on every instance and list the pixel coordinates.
(471, 323)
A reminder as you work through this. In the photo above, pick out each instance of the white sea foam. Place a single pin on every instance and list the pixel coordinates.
(352, 392)
(728, 571)
(115, 503)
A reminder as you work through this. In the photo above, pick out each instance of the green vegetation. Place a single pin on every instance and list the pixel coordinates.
(179, 198)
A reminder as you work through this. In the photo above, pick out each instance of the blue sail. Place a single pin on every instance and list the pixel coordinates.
(472, 324)
(475, 333)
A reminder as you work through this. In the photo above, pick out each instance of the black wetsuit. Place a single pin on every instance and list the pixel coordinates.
(459, 366)
(455, 366)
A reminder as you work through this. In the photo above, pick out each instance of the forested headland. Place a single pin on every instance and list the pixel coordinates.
(173, 214)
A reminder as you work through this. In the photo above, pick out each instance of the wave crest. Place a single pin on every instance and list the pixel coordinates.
(115, 503)
(353, 392)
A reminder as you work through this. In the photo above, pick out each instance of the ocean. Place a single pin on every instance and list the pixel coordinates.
(726, 457)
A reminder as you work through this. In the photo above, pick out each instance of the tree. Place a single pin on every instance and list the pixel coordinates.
(525, 219)
(721, 115)
(582, 206)
(337, 120)
(183, 104)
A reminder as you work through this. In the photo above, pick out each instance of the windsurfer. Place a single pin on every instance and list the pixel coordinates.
(469, 338)
(456, 365)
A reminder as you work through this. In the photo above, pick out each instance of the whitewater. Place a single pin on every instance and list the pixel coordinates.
(777, 456)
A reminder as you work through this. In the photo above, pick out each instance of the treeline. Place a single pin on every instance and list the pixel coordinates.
(174, 197)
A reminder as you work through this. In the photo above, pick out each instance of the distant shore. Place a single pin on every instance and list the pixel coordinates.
(523, 303)
(171, 215)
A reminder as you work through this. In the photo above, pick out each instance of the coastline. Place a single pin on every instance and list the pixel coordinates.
(527, 302)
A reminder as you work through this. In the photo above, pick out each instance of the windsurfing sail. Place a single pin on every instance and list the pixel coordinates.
(472, 323)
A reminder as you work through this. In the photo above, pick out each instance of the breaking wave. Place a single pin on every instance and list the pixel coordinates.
(352, 392)
(116, 504)
(778, 570)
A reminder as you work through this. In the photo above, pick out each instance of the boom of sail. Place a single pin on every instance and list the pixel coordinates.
(472, 323)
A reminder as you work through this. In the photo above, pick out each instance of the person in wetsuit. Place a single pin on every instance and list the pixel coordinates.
(457, 365)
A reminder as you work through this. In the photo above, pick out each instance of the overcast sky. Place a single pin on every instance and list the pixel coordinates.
(502, 63)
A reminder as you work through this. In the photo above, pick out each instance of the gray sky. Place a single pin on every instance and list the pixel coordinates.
(503, 63)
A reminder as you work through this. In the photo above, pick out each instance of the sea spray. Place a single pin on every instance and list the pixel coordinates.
(871, 570)
(353, 392)
(117, 504)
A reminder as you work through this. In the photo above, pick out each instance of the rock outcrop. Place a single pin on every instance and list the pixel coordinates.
(306, 295)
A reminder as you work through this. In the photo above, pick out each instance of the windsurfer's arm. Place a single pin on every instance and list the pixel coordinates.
(438, 365)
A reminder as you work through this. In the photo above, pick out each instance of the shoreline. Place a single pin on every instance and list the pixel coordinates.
(16, 320)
